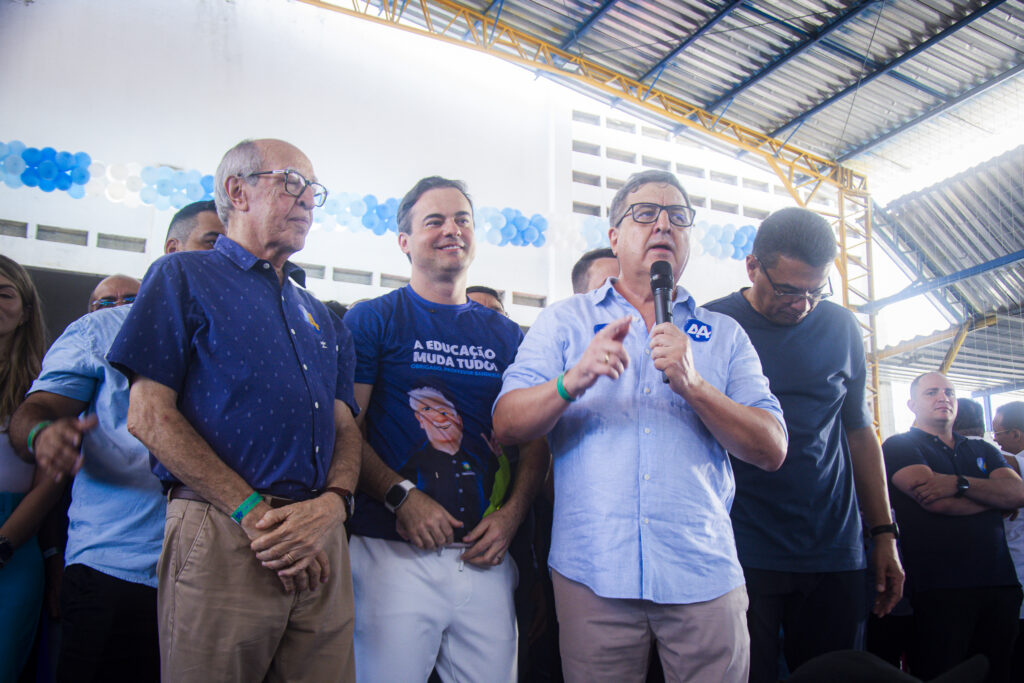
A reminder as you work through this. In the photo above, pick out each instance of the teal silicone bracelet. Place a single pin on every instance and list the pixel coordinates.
(561, 389)
(30, 442)
(248, 504)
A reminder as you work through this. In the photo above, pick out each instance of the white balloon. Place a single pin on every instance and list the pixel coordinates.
(116, 192)
(133, 183)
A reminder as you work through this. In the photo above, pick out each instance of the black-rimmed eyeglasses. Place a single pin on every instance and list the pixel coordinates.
(679, 216)
(813, 296)
(295, 184)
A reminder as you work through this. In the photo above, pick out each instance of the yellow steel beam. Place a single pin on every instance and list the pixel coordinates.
(802, 172)
(974, 324)
(954, 348)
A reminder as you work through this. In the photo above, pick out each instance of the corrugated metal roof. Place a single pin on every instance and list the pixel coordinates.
(960, 225)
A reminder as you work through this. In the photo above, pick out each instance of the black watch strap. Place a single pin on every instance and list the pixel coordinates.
(6, 550)
(885, 529)
(961, 486)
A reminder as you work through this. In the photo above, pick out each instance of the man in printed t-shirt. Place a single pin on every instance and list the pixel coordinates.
(433, 522)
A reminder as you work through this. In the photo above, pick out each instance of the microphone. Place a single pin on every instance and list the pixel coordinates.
(662, 285)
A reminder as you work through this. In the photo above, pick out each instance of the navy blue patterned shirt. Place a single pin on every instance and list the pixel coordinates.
(257, 365)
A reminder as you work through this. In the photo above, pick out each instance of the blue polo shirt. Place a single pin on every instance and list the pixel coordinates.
(256, 364)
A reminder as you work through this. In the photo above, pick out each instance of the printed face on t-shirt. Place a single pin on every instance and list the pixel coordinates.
(439, 419)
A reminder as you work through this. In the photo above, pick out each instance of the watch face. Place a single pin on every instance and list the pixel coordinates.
(395, 495)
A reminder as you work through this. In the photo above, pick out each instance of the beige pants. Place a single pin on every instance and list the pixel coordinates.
(224, 617)
(606, 639)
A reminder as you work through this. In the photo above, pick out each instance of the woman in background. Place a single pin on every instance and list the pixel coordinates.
(25, 493)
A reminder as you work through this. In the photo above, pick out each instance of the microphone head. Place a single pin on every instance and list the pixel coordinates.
(661, 275)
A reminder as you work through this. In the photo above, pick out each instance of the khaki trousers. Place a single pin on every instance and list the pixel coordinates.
(224, 617)
(609, 640)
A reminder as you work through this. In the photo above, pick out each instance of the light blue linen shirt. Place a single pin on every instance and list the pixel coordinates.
(116, 519)
(642, 488)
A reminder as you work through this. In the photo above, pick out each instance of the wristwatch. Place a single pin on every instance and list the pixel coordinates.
(6, 551)
(346, 497)
(397, 494)
(885, 529)
(961, 486)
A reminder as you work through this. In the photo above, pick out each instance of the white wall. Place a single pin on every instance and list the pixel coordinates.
(177, 83)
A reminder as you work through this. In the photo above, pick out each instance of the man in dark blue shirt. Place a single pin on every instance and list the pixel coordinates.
(798, 530)
(949, 493)
(242, 391)
(438, 505)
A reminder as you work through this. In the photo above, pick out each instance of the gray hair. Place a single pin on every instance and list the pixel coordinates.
(242, 160)
(635, 182)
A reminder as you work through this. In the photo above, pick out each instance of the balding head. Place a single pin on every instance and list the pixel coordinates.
(116, 290)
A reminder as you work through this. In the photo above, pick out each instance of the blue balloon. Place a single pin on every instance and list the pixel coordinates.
(194, 192)
(539, 222)
(370, 201)
(381, 210)
(180, 180)
(165, 187)
(83, 160)
(32, 156)
(47, 170)
(63, 181)
(357, 208)
(520, 222)
(164, 173)
(47, 185)
(508, 213)
(508, 232)
(48, 154)
(379, 228)
(370, 219)
(539, 242)
(516, 241)
(530, 234)
(30, 177)
(207, 183)
(13, 181)
(332, 206)
(15, 147)
(65, 161)
(79, 175)
(737, 253)
(392, 205)
(148, 195)
(178, 200)
(76, 191)
(392, 224)
(193, 177)
(494, 236)
(149, 175)
(163, 202)
(14, 164)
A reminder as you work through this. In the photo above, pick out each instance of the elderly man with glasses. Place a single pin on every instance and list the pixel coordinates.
(242, 391)
(798, 530)
(640, 416)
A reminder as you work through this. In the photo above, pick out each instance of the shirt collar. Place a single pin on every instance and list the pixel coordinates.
(245, 260)
(606, 292)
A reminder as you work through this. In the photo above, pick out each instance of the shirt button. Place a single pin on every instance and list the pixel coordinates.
(647, 352)
(304, 367)
(316, 404)
(647, 390)
(316, 450)
(647, 430)
(646, 520)
(266, 265)
(292, 331)
(647, 477)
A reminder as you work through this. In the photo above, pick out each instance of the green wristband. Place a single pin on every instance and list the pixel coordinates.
(561, 389)
(248, 504)
(34, 433)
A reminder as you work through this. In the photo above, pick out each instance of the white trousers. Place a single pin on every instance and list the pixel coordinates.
(417, 609)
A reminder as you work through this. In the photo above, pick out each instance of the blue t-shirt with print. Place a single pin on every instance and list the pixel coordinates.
(435, 370)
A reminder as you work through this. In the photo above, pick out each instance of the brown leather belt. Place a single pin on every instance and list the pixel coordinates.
(182, 492)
